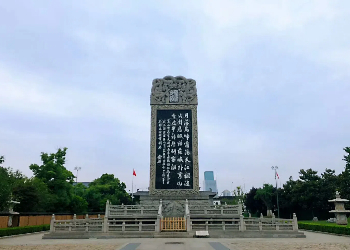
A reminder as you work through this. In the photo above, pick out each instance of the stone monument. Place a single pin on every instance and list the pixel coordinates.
(174, 172)
(174, 206)
(339, 211)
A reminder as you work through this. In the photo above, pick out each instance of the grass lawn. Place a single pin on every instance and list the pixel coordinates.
(325, 226)
(323, 222)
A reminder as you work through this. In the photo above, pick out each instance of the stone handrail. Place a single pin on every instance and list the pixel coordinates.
(245, 224)
(86, 224)
(131, 207)
(214, 224)
(103, 225)
(236, 224)
(219, 210)
(126, 211)
(140, 225)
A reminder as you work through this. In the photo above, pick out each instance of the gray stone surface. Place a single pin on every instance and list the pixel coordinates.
(218, 246)
(313, 241)
(174, 90)
(131, 246)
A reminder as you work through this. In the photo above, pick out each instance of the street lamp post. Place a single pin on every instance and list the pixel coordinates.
(278, 207)
(76, 179)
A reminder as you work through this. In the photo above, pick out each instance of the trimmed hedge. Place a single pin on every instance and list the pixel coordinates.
(23, 230)
(331, 228)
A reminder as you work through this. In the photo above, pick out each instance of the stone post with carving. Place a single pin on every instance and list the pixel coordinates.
(295, 222)
(52, 223)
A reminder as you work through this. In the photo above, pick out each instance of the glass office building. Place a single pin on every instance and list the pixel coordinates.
(209, 182)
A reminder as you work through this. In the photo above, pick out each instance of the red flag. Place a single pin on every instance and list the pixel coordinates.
(277, 175)
(133, 172)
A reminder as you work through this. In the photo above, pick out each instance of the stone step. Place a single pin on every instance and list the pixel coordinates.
(174, 235)
(212, 234)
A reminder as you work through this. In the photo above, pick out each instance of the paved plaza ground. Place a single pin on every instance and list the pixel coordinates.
(312, 241)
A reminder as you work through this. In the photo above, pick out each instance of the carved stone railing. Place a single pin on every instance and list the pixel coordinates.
(76, 225)
(244, 224)
(211, 210)
(106, 225)
(113, 211)
(129, 225)
(214, 224)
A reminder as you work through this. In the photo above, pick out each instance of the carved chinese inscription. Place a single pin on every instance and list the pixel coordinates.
(174, 157)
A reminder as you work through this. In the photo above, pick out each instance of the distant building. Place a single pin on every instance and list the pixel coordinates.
(226, 193)
(86, 184)
(209, 182)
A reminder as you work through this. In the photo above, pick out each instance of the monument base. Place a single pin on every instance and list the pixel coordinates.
(174, 206)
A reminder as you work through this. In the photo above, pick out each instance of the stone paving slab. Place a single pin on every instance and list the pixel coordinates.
(313, 241)
(218, 246)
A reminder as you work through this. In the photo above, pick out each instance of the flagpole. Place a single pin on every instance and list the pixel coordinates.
(278, 207)
(132, 187)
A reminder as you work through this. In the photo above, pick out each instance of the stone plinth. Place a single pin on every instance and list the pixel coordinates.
(174, 206)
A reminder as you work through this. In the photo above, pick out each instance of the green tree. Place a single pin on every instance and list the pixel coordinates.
(266, 194)
(344, 177)
(33, 196)
(57, 178)
(5, 189)
(107, 187)
(308, 190)
(328, 186)
(78, 205)
(80, 189)
(8, 180)
(254, 206)
(308, 196)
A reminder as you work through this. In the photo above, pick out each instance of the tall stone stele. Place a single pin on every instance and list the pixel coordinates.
(174, 137)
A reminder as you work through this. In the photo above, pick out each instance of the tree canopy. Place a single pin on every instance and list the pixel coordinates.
(107, 187)
(51, 188)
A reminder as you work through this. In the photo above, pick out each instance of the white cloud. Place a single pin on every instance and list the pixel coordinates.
(279, 15)
(94, 42)
(338, 60)
(33, 95)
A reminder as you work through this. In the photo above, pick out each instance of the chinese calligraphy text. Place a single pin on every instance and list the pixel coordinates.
(174, 158)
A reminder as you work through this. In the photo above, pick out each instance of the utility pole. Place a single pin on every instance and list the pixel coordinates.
(278, 207)
(76, 179)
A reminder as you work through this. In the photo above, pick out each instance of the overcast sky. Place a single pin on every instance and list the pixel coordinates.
(272, 79)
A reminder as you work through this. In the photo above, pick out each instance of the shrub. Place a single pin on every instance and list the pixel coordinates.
(22, 230)
(331, 228)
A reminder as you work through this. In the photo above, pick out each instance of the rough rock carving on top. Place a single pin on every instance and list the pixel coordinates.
(184, 89)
